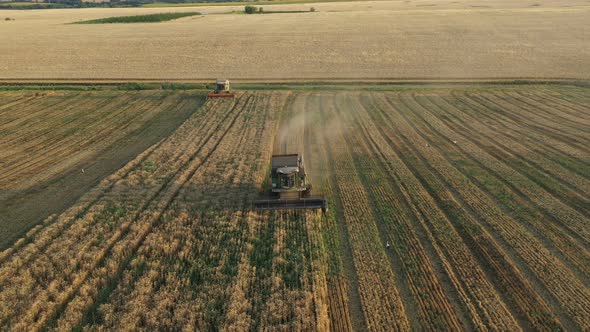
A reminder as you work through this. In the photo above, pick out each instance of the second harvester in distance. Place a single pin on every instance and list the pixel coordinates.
(290, 189)
(222, 90)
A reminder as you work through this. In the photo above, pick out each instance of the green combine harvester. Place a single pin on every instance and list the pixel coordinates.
(290, 189)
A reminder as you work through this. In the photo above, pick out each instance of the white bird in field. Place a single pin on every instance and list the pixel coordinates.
(82, 171)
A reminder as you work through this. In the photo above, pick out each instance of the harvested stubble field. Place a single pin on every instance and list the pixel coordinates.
(481, 192)
(362, 39)
(56, 145)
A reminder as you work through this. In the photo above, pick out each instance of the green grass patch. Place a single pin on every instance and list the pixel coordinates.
(22, 4)
(152, 18)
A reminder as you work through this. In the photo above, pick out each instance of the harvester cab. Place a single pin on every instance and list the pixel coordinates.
(289, 186)
(221, 89)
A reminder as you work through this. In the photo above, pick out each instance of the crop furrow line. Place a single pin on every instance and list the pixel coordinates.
(564, 254)
(530, 249)
(530, 124)
(559, 148)
(166, 195)
(532, 156)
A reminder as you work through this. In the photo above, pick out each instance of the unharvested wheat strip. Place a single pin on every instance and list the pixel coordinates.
(74, 238)
(577, 222)
(511, 112)
(520, 149)
(557, 148)
(473, 283)
(153, 265)
(551, 111)
(338, 310)
(237, 317)
(560, 281)
(319, 271)
(381, 300)
(433, 304)
(72, 313)
(284, 299)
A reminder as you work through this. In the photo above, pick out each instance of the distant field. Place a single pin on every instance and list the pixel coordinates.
(482, 193)
(363, 40)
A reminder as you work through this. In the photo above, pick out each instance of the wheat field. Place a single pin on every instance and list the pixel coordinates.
(451, 208)
(373, 39)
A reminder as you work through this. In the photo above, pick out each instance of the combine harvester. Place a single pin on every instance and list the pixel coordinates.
(290, 189)
(222, 90)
